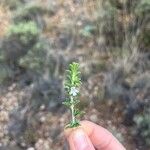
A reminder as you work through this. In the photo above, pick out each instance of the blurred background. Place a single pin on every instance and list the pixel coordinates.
(39, 38)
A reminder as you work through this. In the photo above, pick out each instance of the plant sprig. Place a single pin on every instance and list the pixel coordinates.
(72, 85)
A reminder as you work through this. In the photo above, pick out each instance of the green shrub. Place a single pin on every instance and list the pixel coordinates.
(41, 60)
(1, 56)
(142, 122)
(35, 58)
(107, 23)
(143, 7)
(5, 73)
(30, 13)
(145, 37)
(105, 15)
(25, 31)
(20, 38)
(12, 4)
(33, 12)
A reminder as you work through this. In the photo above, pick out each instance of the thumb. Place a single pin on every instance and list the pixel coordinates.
(78, 140)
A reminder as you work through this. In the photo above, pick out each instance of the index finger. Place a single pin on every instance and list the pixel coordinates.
(101, 138)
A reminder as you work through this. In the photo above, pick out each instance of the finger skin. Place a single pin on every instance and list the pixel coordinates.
(68, 132)
(71, 145)
(101, 138)
(76, 142)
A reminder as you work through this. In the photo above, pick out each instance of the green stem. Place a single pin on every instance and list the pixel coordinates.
(72, 110)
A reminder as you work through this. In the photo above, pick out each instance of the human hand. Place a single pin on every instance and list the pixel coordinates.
(90, 136)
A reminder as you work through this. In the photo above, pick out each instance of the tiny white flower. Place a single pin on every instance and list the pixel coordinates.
(73, 91)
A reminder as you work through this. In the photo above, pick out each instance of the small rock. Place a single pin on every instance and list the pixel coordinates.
(31, 148)
(94, 118)
(23, 144)
(42, 119)
(42, 144)
(42, 107)
(4, 116)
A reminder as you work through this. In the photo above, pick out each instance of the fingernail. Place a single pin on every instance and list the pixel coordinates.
(80, 140)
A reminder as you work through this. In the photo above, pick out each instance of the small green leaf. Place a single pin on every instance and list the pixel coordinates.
(73, 124)
(75, 102)
(77, 112)
(67, 103)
